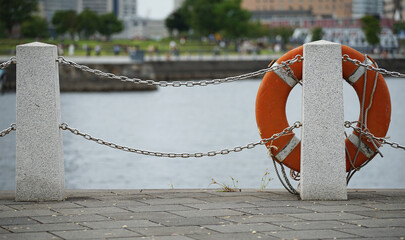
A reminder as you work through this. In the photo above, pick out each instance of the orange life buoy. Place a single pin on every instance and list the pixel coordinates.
(272, 99)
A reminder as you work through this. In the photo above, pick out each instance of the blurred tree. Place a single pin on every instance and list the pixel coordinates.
(317, 33)
(88, 23)
(257, 30)
(232, 19)
(371, 28)
(109, 24)
(14, 12)
(35, 27)
(210, 17)
(65, 21)
(203, 18)
(177, 21)
(3, 33)
(284, 33)
(398, 27)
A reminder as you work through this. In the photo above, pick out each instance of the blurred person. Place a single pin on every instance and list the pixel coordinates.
(88, 51)
(71, 50)
(60, 49)
(97, 49)
(117, 50)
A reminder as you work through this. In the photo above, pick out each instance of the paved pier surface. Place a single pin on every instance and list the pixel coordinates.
(204, 214)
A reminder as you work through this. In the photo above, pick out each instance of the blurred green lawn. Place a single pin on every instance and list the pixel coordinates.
(190, 47)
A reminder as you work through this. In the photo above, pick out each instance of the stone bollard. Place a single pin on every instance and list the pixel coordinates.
(323, 163)
(39, 156)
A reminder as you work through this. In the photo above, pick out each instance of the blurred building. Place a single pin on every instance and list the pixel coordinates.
(368, 7)
(350, 36)
(275, 9)
(339, 19)
(135, 26)
(395, 9)
(142, 28)
(98, 6)
(125, 10)
(48, 7)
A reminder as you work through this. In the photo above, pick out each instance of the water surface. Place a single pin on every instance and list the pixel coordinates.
(198, 119)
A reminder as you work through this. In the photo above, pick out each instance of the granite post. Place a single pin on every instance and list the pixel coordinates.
(39, 156)
(323, 164)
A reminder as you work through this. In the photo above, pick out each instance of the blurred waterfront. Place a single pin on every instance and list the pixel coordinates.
(198, 119)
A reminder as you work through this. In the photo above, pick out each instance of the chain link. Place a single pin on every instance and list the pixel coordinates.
(368, 134)
(297, 58)
(6, 131)
(7, 63)
(346, 58)
(225, 151)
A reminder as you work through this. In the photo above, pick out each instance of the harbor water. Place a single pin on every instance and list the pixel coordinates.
(179, 120)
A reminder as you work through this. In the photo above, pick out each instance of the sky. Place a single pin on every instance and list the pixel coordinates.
(155, 9)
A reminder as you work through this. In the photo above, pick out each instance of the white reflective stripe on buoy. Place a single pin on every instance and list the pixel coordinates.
(356, 75)
(282, 73)
(366, 150)
(287, 149)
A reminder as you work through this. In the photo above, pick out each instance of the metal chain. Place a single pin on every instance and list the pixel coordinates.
(5, 64)
(290, 72)
(368, 134)
(286, 131)
(297, 58)
(346, 58)
(6, 131)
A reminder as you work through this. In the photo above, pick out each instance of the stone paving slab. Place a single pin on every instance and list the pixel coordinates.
(274, 210)
(154, 216)
(204, 214)
(260, 218)
(69, 218)
(247, 228)
(171, 231)
(17, 221)
(382, 214)
(44, 227)
(31, 236)
(90, 210)
(340, 208)
(221, 205)
(39, 206)
(120, 224)
(5, 208)
(207, 213)
(380, 233)
(315, 225)
(26, 213)
(311, 234)
(96, 234)
(233, 236)
(326, 216)
(375, 223)
(159, 208)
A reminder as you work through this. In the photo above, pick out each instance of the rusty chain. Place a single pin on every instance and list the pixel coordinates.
(297, 58)
(369, 135)
(286, 131)
(6, 131)
(7, 63)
